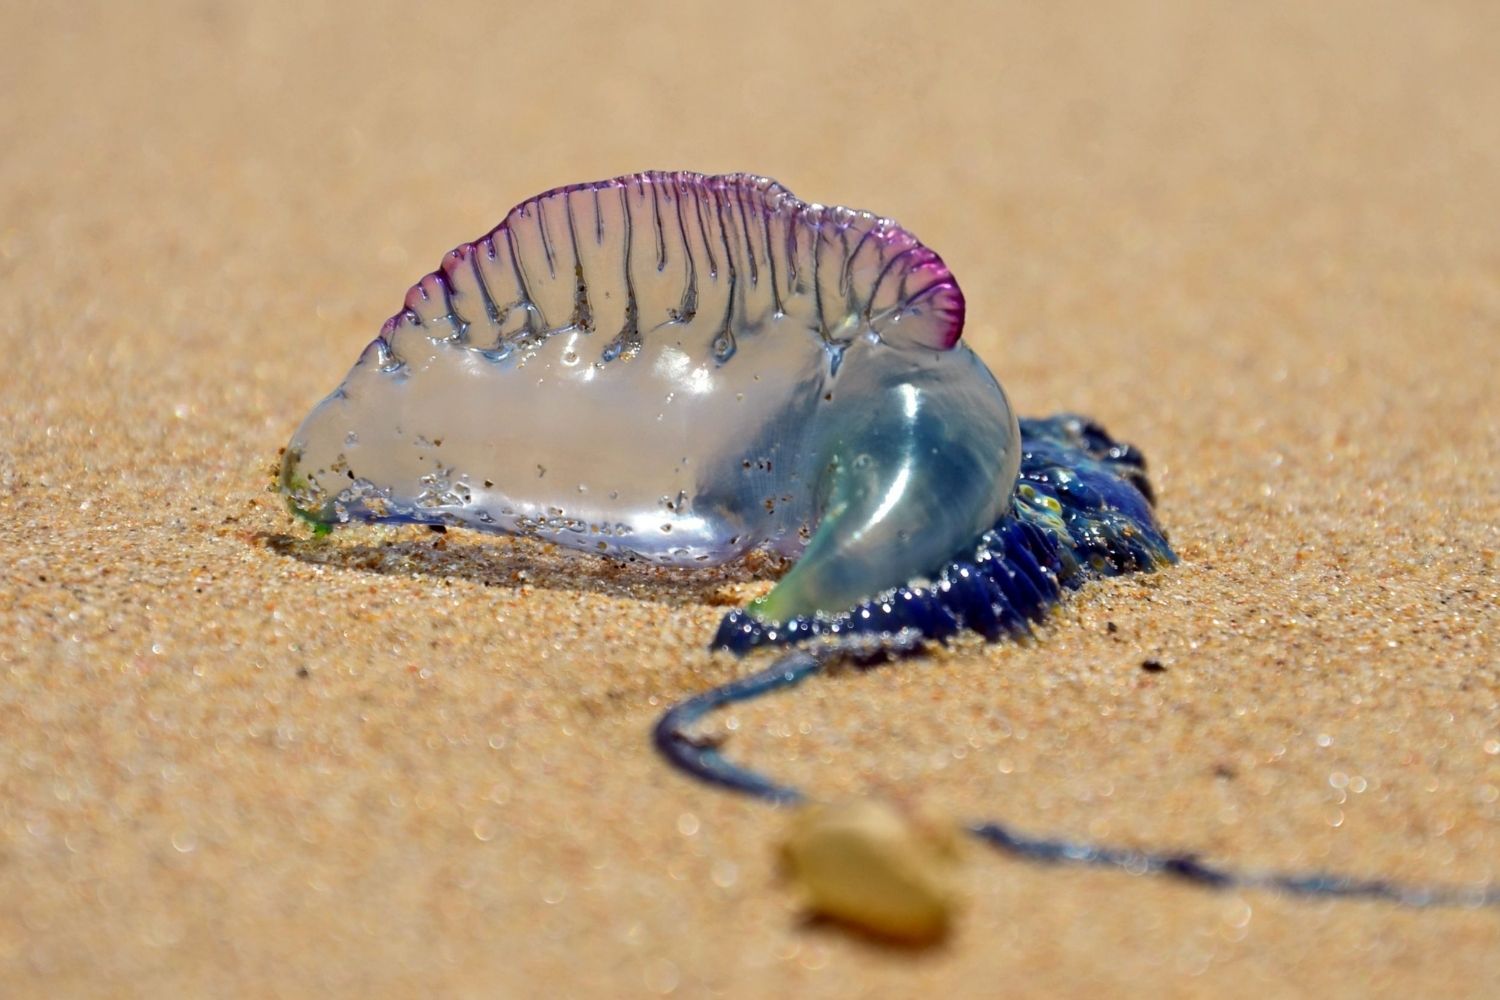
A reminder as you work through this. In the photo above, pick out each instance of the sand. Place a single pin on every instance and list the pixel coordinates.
(1260, 242)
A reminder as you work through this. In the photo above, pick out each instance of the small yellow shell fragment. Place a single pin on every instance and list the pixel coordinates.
(869, 865)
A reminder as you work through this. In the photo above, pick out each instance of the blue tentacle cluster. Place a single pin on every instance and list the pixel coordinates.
(1082, 508)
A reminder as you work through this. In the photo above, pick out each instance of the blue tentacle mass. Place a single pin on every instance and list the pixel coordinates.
(1081, 508)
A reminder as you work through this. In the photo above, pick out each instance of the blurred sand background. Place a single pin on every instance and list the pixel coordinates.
(1260, 241)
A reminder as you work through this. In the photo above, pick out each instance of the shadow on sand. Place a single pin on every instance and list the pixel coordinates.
(505, 561)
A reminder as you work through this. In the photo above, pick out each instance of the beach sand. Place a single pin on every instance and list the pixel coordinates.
(1259, 242)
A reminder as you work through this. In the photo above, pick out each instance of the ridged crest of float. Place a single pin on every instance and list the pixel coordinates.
(704, 260)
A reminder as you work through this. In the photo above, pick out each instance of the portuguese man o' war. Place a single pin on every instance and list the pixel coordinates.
(687, 369)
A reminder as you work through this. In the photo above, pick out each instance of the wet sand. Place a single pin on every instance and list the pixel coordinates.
(1262, 245)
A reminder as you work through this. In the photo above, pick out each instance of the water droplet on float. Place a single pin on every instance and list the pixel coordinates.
(687, 824)
(185, 841)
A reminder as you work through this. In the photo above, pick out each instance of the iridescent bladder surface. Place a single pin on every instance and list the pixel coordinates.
(682, 368)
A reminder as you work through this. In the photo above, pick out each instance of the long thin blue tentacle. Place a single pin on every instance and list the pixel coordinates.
(1082, 509)
(703, 760)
